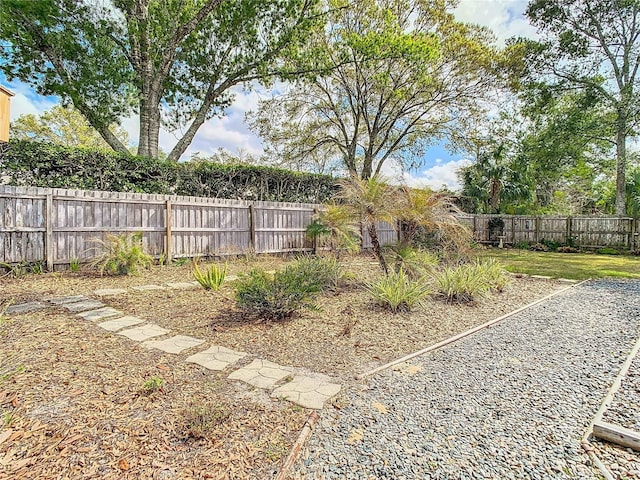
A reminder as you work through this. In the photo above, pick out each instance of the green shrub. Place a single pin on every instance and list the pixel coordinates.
(414, 262)
(121, 255)
(494, 274)
(324, 271)
(212, 278)
(462, 284)
(277, 296)
(398, 292)
(74, 265)
(152, 385)
(522, 245)
(607, 251)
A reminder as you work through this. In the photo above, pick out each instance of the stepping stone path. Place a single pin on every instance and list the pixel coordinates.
(100, 314)
(216, 358)
(261, 373)
(25, 307)
(283, 382)
(144, 332)
(182, 285)
(120, 323)
(174, 344)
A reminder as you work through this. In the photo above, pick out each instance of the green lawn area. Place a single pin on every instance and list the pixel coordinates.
(577, 266)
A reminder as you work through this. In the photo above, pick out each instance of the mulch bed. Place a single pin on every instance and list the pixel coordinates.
(72, 396)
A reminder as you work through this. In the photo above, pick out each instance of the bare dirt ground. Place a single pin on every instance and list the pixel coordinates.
(73, 402)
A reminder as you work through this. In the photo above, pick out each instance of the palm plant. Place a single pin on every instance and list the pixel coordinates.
(372, 201)
(336, 227)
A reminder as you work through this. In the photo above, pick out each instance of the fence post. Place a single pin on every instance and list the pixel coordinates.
(537, 223)
(513, 230)
(168, 221)
(48, 234)
(569, 234)
(252, 228)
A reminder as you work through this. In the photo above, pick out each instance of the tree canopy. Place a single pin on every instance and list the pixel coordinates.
(172, 63)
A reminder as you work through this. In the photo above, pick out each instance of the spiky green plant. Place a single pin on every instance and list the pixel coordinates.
(398, 292)
(415, 262)
(494, 273)
(212, 278)
(335, 227)
(121, 255)
(462, 284)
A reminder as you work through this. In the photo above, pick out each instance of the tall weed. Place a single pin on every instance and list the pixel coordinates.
(121, 255)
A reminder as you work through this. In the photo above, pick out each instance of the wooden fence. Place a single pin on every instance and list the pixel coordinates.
(581, 231)
(58, 225)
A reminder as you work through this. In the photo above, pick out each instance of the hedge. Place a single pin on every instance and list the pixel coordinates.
(35, 164)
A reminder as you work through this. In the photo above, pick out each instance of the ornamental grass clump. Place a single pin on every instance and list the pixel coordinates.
(398, 292)
(121, 255)
(325, 271)
(494, 274)
(278, 296)
(211, 278)
(462, 284)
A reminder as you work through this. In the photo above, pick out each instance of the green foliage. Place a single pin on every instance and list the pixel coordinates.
(607, 251)
(201, 420)
(74, 265)
(414, 262)
(398, 292)
(494, 274)
(22, 268)
(278, 296)
(463, 284)
(212, 278)
(335, 227)
(152, 385)
(325, 271)
(27, 163)
(121, 255)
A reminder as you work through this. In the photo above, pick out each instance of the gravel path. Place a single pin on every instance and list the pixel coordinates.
(509, 402)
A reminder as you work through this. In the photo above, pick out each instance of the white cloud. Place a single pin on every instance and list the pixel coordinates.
(26, 102)
(442, 173)
(504, 17)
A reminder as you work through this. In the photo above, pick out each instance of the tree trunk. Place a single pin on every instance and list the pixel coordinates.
(621, 162)
(377, 249)
(143, 137)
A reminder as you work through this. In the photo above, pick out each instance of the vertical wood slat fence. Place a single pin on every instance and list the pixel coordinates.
(58, 225)
(581, 231)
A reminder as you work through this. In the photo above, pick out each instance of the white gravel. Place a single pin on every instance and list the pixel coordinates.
(509, 402)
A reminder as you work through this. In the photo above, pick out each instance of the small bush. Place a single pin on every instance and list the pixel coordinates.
(522, 245)
(122, 255)
(325, 271)
(201, 420)
(552, 245)
(398, 292)
(494, 274)
(74, 265)
(462, 284)
(212, 278)
(539, 247)
(567, 249)
(415, 262)
(607, 251)
(277, 296)
(152, 385)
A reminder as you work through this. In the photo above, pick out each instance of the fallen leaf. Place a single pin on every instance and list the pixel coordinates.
(380, 407)
(357, 434)
(5, 435)
(123, 464)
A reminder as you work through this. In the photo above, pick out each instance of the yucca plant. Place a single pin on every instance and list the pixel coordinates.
(398, 292)
(212, 278)
(462, 284)
(121, 255)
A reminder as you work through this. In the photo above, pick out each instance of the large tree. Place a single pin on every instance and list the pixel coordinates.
(399, 75)
(174, 63)
(64, 126)
(594, 47)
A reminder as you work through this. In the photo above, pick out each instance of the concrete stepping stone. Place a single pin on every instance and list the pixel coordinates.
(120, 323)
(103, 292)
(144, 332)
(24, 308)
(100, 314)
(567, 280)
(147, 288)
(174, 344)
(68, 299)
(261, 373)
(307, 392)
(182, 285)
(216, 358)
(231, 278)
(541, 277)
(83, 305)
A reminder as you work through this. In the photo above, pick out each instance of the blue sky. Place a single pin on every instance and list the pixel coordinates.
(504, 17)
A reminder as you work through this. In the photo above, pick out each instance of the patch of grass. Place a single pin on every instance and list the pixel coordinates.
(201, 420)
(578, 266)
(74, 265)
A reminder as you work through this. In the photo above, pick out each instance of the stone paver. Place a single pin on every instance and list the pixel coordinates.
(120, 323)
(261, 373)
(307, 392)
(83, 305)
(103, 292)
(216, 358)
(182, 285)
(24, 308)
(174, 344)
(231, 278)
(144, 332)
(68, 299)
(100, 314)
(146, 288)
(541, 277)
